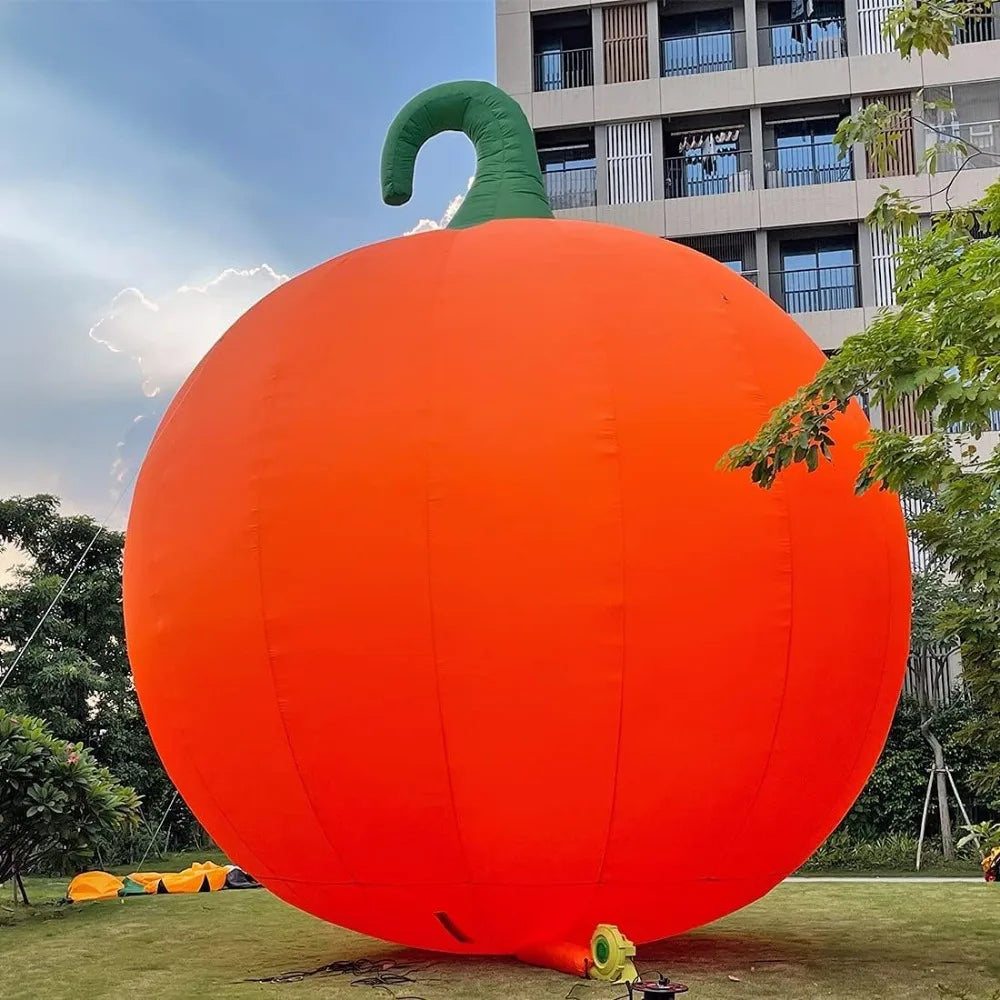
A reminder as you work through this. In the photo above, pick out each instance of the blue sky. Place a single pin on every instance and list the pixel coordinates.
(154, 145)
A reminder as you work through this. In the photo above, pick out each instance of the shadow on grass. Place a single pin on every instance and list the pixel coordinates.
(407, 971)
(706, 954)
(712, 950)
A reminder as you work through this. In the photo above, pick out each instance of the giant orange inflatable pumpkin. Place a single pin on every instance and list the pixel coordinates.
(444, 618)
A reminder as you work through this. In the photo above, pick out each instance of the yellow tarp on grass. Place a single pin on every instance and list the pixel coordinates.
(94, 885)
(202, 876)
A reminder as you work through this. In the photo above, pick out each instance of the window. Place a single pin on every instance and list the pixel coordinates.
(804, 153)
(700, 42)
(561, 158)
(972, 118)
(569, 167)
(820, 34)
(819, 274)
(563, 50)
(737, 251)
(707, 162)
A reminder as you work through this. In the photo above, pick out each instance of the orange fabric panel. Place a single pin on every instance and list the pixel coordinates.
(181, 882)
(446, 513)
(573, 959)
(89, 886)
(215, 874)
(147, 880)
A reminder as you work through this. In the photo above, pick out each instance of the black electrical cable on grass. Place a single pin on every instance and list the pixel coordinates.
(585, 988)
(381, 975)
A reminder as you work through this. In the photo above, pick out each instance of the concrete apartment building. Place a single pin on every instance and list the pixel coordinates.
(711, 122)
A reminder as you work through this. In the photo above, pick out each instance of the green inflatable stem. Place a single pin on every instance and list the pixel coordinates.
(508, 182)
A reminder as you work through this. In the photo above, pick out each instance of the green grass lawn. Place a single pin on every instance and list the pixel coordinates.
(803, 942)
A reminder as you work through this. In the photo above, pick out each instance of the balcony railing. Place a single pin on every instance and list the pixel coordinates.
(574, 187)
(872, 16)
(805, 41)
(735, 250)
(711, 52)
(564, 69)
(976, 28)
(982, 142)
(796, 166)
(993, 424)
(716, 173)
(817, 289)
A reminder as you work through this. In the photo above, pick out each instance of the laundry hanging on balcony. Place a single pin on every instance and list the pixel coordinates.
(708, 152)
(706, 146)
(706, 142)
(802, 14)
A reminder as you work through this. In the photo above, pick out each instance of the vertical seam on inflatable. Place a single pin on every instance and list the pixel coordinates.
(168, 419)
(255, 479)
(786, 506)
(892, 579)
(621, 686)
(430, 586)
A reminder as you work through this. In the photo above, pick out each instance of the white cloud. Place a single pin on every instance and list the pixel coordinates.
(429, 225)
(167, 338)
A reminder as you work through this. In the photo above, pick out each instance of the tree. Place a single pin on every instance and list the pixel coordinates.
(931, 25)
(56, 803)
(75, 672)
(892, 800)
(940, 346)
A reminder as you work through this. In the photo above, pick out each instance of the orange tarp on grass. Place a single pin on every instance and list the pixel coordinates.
(147, 880)
(216, 874)
(202, 876)
(94, 885)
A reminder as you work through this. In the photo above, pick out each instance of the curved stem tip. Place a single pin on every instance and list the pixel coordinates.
(508, 182)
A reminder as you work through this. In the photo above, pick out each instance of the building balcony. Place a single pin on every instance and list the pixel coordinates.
(980, 27)
(691, 176)
(564, 69)
(799, 165)
(737, 251)
(804, 41)
(572, 187)
(817, 289)
(569, 167)
(993, 424)
(981, 142)
(712, 52)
